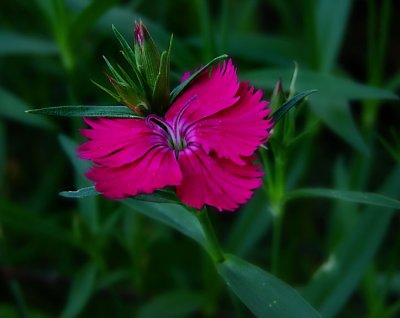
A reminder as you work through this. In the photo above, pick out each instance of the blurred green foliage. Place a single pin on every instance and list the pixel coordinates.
(97, 258)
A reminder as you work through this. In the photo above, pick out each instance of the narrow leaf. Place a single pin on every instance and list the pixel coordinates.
(331, 20)
(81, 193)
(88, 208)
(86, 111)
(329, 86)
(80, 292)
(14, 108)
(351, 196)
(264, 294)
(159, 196)
(173, 215)
(297, 99)
(339, 276)
(177, 90)
(18, 44)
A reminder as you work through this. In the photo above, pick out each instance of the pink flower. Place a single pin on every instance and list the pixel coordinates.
(203, 146)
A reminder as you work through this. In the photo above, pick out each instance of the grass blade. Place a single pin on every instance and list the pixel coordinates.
(339, 276)
(86, 111)
(351, 196)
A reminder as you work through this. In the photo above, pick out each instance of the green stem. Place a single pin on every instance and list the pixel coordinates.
(213, 246)
(276, 238)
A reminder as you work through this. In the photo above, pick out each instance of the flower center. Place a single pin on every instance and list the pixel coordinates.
(175, 134)
(170, 133)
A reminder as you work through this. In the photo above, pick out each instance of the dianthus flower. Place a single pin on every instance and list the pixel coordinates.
(204, 145)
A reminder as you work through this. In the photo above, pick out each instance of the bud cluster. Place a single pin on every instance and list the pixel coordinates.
(145, 88)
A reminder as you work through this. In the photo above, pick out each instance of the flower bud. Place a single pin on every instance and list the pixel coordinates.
(278, 96)
(144, 88)
(147, 55)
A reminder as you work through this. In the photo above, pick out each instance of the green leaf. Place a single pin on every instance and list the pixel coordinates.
(80, 292)
(173, 215)
(177, 90)
(88, 208)
(338, 277)
(18, 44)
(297, 99)
(159, 196)
(81, 193)
(351, 196)
(337, 116)
(14, 108)
(331, 20)
(264, 294)
(173, 304)
(86, 111)
(277, 50)
(329, 86)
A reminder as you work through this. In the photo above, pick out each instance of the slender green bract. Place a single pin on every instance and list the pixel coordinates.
(177, 90)
(297, 99)
(87, 111)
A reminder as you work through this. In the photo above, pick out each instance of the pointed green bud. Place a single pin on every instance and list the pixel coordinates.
(278, 97)
(147, 55)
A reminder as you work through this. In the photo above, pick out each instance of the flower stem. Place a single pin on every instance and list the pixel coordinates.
(276, 239)
(213, 246)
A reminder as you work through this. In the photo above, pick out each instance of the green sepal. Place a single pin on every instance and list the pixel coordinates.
(126, 88)
(161, 89)
(126, 48)
(147, 55)
(109, 92)
(278, 96)
(297, 99)
(129, 55)
(87, 111)
(177, 90)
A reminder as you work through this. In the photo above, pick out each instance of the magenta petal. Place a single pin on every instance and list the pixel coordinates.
(214, 181)
(207, 94)
(130, 157)
(116, 142)
(235, 131)
(157, 169)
